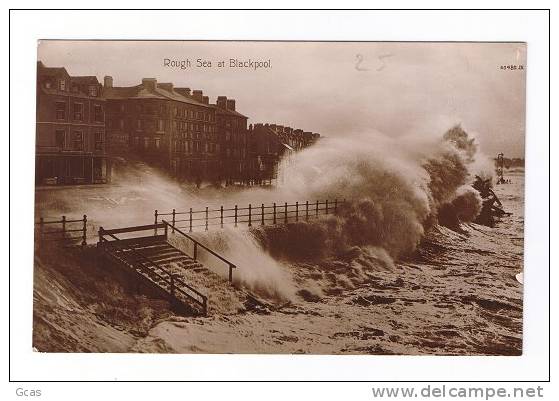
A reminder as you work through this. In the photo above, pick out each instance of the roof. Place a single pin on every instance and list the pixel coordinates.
(228, 112)
(142, 92)
(50, 72)
(42, 70)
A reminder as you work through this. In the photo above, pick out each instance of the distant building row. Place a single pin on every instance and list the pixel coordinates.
(83, 125)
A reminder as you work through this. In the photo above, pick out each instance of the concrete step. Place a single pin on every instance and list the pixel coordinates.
(222, 296)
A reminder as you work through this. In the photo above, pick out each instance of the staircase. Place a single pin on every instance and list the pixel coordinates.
(185, 281)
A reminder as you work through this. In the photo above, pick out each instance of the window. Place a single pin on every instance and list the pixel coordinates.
(60, 138)
(137, 141)
(157, 143)
(93, 90)
(99, 140)
(161, 125)
(60, 110)
(121, 123)
(62, 84)
(98, 113)
(48, 85)
(139, 124)
(78, 140)
(146, 142)
(78, 111)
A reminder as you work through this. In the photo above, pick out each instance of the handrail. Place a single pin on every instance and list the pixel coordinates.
(44, 235)
(257, 213)
(197, 243)
(133, 229)
(171, 280)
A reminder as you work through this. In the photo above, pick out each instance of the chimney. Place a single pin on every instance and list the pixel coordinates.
(205, 100)
(168, 86)
(183, 91)
(197, 95)
(108, 80)
(231, 104)
(221, 102)
(149, 83)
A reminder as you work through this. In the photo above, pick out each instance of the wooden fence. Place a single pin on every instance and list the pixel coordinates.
(64, 230)
(262, 214)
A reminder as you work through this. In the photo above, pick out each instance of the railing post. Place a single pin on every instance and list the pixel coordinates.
(173, 227)
(335, 206)
(326, 206)
(249, 215)
(235, 215)
(205, 305)
(285, 213)
(316, 208)
(307, 211)
(100, 236)
(190, 221)
(296, 211)
(262, 214)
(221, 215)
(155, 229)
(63, 226)
(230, 272)
(165, 229)
(206, 218)
(84, 236)
(274, 212)
(172, 285)
(195, 250)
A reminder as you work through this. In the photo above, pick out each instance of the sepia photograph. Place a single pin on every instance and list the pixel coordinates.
(279, 197)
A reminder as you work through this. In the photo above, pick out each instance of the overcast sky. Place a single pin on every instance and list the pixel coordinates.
(335, 88)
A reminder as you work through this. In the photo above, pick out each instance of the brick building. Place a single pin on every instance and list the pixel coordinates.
(232, 133)
(165, 126)
(270, 144)
(177, 129)
(80, 123)
(70, 129)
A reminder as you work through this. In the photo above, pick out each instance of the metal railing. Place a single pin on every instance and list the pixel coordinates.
(262, 214)
(68, 228)
(197, 244)
(147, 266)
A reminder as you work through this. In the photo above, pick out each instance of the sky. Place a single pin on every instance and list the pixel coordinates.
(334, 88)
